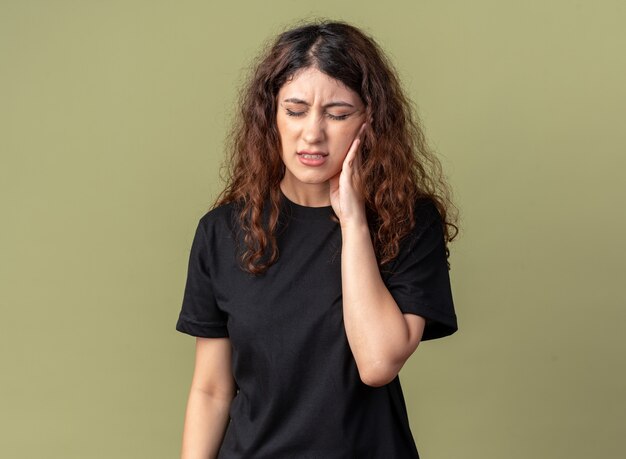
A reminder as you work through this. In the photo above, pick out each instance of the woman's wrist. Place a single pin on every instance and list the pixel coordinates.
(354, 225)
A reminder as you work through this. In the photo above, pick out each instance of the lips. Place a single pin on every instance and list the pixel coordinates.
(312, 158)
(307, 152)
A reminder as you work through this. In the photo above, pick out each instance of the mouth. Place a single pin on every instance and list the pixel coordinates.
(312, 158)
(312, 154)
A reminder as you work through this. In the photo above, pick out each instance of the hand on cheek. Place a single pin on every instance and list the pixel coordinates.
(347, 202)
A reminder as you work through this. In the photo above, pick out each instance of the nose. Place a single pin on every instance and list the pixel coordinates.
(313, 130)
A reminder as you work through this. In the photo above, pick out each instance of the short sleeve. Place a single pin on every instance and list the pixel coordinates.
(419, 280)
(199, 315)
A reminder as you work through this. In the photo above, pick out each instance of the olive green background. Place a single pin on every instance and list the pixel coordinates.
(112, 120)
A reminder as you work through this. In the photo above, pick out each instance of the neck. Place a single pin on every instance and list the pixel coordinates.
(306, 194)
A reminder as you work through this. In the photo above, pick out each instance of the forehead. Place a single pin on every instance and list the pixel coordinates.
(310, 84)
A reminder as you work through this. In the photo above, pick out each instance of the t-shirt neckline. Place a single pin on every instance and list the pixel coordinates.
(305, 212)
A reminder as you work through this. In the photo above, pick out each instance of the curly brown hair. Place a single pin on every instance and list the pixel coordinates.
(397, 168)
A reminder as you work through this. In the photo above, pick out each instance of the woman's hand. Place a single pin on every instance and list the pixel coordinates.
(345, 195)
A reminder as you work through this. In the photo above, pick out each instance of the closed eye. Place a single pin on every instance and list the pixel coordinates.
(292, 113)
(338, 117)
(333, 117)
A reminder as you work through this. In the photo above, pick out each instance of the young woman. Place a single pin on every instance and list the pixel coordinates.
(322, 264)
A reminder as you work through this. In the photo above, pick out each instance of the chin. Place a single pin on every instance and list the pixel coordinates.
(312, 179)
(306, 176)
(311, 175)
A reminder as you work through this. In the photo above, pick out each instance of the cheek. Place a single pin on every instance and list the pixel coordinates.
(280, 125)
(342, 140)
(286, 128)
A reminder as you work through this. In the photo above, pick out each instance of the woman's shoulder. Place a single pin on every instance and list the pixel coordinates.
(426, 213)
(220, 217)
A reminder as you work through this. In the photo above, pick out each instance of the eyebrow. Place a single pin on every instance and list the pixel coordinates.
(337, 103)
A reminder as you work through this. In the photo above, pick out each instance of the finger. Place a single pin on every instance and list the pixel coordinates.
(352, 153)
(362, 129)
(359, 136)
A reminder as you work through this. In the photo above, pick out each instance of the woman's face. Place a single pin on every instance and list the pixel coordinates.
(316, 114)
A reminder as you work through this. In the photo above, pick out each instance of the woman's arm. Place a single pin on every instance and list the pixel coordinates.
(212, 390)
(381, 337)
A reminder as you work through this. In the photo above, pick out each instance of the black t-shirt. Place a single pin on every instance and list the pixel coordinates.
(299, 391)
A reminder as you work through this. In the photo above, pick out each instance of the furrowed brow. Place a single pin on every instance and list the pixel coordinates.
(337, 103)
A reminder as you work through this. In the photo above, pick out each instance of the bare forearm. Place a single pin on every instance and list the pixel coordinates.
(206, 420)
(376, 329)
